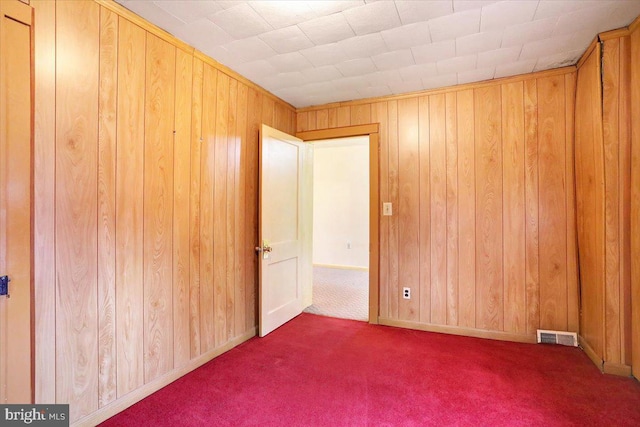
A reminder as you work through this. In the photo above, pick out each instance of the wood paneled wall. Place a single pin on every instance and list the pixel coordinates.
(145, 206)
(481, 179)
(603, 167)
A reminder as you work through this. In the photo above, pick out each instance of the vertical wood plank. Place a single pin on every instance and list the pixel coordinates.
(532, 277)
(129, 207)
(513, 196)
(158, 207)
(302, 121)
(489, 281)
(77, 75)
(635, 197)
(610, 132)
(181, 214)
(361, 114)
(408, 207)
(230, 219)
(573, 303)
(393, 171)
(240, 201)
(194, 207)
(44, 268)
(343, 116)
(312, 122)
(322, 118)
(107, 107)
(425, 210)
(333, 117)
(380, 115)
(207, 187)
(220, 211)
(254, 121)
(467, 209)
(268, 107)
(553, 244)
(438, 192)
(452, 207)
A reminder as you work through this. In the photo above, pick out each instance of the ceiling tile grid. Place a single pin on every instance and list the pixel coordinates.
(317, 52)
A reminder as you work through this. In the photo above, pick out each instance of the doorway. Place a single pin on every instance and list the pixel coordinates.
(341, 228)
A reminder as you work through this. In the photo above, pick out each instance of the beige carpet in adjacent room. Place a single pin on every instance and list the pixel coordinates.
(340, 293)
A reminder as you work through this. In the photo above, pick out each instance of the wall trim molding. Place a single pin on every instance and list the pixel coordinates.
(140, 393)
(590, 352)
(616, 369)
(457, 330)
(341, 132)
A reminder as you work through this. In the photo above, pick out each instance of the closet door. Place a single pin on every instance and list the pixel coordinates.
(15, 201)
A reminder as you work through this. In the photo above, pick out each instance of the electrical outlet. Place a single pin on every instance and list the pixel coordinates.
(406, 293)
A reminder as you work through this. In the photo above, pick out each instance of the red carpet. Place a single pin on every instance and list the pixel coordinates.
(319, 371)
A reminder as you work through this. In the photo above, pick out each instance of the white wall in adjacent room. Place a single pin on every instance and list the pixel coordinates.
(341, 202)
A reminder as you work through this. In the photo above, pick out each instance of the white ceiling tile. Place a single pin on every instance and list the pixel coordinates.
(287, 39)
(545, 47)
(240, 21)
(407, 36)
(373, 17)
(326, 54)
(460, 5)
(515, 68)
(354, 82)
(433, 52)
(405, 87)
(286, 62)
(346, 94)
(281, 14)
(320, 74)
(478, 42)
(478, 75)
(356, 66)
(517, 35)
(555, 8)
(455, 25)
(597, 18)
(255, 69)
(416, 72)
(153, 13)
(493, 58)
(504, 13)
(397, 58)
(189, 11)
(331, 7)
(200, 30)
(457, 64)
(283, 80)
(327, 29)
(222, 55)
(319, 88)
(416, 11)
(623, 14)
(374, 91)
(558, 60)
(437, 82)
(363, 46)
(249, 49)
(381, 78)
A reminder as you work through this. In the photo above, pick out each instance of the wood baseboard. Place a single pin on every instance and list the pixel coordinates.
(616, 369)
(597, 360)
(457, 330)
(137, 395)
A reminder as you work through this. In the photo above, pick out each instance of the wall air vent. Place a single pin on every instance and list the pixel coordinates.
(557, 337)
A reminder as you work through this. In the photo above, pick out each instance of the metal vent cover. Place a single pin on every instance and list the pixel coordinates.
(557, 337)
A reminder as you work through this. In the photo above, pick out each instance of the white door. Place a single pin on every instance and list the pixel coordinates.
(285, 261)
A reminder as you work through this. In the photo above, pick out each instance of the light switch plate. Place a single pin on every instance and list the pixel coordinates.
(387, 209)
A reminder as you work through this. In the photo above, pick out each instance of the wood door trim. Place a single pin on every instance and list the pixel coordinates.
(370, 130)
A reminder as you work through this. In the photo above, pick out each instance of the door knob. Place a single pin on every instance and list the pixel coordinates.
(265, 249)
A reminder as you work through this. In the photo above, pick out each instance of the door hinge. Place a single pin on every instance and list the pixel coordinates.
(4, 286)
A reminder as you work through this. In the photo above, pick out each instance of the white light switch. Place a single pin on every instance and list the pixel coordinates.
(387, 209)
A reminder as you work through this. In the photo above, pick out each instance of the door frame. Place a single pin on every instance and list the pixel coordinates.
(372, 131)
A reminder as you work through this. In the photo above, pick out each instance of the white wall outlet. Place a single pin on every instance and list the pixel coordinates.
(406, 293)
(387, 209)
